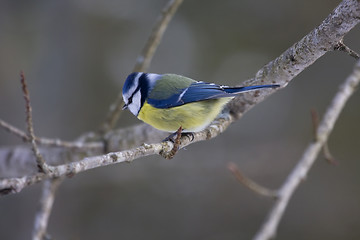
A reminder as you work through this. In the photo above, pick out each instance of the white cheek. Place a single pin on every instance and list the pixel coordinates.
(134, 107)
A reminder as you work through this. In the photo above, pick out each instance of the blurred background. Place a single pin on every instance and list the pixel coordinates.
(76, 55)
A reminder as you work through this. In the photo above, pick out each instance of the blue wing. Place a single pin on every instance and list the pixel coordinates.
(199, 91)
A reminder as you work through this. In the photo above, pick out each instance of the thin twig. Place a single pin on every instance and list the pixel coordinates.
(344, 48)
(14, 130)
(268, 230)
(250, 184)
(39, 159)
(315, 121)
(144, 60)
(328, 156)
(50, 142)
(46, 202)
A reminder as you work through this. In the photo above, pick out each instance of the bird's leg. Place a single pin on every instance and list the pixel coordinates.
(175, 138)
(172, 137)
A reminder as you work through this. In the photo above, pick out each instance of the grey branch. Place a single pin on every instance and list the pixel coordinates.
(300, 171)
(281, 70)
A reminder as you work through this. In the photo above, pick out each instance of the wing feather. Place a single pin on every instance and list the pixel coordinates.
(197, 91)
(200, 91)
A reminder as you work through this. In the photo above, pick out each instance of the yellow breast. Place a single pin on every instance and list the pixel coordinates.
(192, 117)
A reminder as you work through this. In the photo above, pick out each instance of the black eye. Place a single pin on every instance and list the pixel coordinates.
(129, 101)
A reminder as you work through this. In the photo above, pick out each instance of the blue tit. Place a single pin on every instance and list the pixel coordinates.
(168, 101)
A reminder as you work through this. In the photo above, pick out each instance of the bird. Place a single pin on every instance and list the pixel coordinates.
(169, 102)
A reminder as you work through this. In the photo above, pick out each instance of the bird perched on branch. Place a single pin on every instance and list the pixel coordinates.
(169, 101)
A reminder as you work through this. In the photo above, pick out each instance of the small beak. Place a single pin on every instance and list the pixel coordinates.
(125, 107)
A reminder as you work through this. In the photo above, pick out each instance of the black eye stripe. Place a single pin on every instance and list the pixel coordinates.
(143, 87)
(132, 95)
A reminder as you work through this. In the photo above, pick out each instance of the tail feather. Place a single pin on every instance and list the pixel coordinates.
(248, 88)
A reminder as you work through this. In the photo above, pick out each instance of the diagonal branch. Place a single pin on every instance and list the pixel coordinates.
(144, 60)
(14, 130)
(302, 54)
(315, 121)
(268, 230)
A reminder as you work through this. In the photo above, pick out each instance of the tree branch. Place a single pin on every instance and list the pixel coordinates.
(282, 70)
(250, 184)
(268, 230)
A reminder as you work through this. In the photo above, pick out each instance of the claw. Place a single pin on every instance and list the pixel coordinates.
(190, 135)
